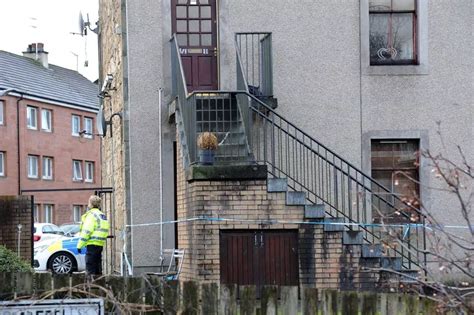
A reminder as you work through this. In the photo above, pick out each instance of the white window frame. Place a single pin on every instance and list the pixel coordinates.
(46, 120)
(75, 128)
(88, 127)
(2, 113)
(32, 117)
(32, 160)
(2, 163)
(422, 68)
(48, 213)
(36, 213)
(89, 178)
(76, 213)
(77, 172)
(47, 167)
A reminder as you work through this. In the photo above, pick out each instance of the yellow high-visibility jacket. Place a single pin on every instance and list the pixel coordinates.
(94, 228)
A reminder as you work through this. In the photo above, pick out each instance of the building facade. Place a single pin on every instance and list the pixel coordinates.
(374, 81)
(49, 144)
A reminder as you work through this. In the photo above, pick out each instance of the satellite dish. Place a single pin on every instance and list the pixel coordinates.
(82, 25)
(101, 124)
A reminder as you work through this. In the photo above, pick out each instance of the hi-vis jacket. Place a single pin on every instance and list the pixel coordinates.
(94, 228)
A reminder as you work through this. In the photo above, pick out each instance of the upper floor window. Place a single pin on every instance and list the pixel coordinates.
(2, 163)
(46, 120)
(76, 213)
(392, 32)
(88, 127)
(31, 117)
(2, 110)
(89, 172)
(47, 167)
(76, 125)
(36, 213)
(48, 213)
(76, 170)
(32, 166)
(395, 166)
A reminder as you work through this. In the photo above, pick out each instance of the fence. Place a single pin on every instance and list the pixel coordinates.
(151, 295)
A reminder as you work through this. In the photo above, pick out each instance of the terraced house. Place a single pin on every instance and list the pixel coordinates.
(48, 143)
(320, 109)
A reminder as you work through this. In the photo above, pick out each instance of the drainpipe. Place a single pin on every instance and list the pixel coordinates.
(18, 140)
(160, 100)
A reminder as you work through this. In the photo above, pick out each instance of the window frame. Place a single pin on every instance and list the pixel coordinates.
(88, 133)
(43, 111)
(29, 109)
(86, 177)
(2, 113)
(30, 174)
(50, 164)
(49, 216)
(74, 178)
(421, 43)
(2, 164)
(73, 132)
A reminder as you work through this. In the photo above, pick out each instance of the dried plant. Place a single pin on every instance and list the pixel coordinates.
(207, 141)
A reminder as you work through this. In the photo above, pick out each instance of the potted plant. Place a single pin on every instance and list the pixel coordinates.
(207, 144)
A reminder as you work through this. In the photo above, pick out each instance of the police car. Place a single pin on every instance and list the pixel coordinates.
(59, 255)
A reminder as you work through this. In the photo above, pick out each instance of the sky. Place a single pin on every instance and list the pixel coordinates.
(51, 22)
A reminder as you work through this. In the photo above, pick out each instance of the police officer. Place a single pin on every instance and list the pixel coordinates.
(93, 234)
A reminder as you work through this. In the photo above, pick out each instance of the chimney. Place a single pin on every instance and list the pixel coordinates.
(36, 52)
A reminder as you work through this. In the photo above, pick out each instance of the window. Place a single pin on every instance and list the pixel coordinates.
(32, 166)
(395, 166)
(88, 127)
(36, 213)
(31, 117)
(76, 213)
(76, 170)
(46, 115)
(2, 163)
(2, 109)
(48, 213)
(89, 172)
(47, 167)
(392, 32)
(76, 125)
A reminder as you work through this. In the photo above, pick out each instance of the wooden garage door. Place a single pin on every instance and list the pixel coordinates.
(259, 257)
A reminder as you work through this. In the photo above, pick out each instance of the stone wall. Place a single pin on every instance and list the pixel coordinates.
(15, 210)
(113, 169)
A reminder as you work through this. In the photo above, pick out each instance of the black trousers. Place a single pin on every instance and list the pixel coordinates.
(94, 259)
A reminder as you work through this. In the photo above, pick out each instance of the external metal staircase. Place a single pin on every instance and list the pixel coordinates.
(249, 130)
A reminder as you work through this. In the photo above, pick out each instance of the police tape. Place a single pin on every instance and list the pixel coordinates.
(273, 222)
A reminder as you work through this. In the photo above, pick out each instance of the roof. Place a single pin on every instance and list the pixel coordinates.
(54, 83)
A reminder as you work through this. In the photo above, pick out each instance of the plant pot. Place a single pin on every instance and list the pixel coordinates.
(206, 157)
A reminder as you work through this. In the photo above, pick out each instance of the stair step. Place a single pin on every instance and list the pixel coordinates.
(409, 276)
(352, 238)
(394, 263)
(295, 198)
(277, 185)
(315, 211)
(372, 251)
(339, 227)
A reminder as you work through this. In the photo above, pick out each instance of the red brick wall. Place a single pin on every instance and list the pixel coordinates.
(60, 145)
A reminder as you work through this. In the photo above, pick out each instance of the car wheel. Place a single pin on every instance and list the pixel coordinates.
(61, 263)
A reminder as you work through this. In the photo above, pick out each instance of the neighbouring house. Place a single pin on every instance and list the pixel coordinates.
(321, 109)
(49, 147)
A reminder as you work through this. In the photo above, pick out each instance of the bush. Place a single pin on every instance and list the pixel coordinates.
(10, 262)
(207, 141)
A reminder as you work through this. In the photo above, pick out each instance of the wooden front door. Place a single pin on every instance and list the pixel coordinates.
(259, 257)
(195, 23)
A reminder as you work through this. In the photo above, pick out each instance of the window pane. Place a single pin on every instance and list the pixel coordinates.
(32, 166)
(183, 40)
(203, 1)
(31, 117)
(206, 12)
(46, 120)
(2, 167)
(182, 1)
(76, 125)
(403, 5)
(206, 26)
(380, 5)
(193, 12)
(402, 35)
(181, 26)
(206, 40)
(194, 26)
(193, 40)
(1, 112)
(379, 37)
(181, 12)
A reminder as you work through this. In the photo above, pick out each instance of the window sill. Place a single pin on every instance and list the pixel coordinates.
(89, 181)
(33, 178)
(396, 70)
(45, 130)
(31, 128)
(77, 180)
(48, 179)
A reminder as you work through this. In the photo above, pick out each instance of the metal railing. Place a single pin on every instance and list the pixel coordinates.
(255, 50)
